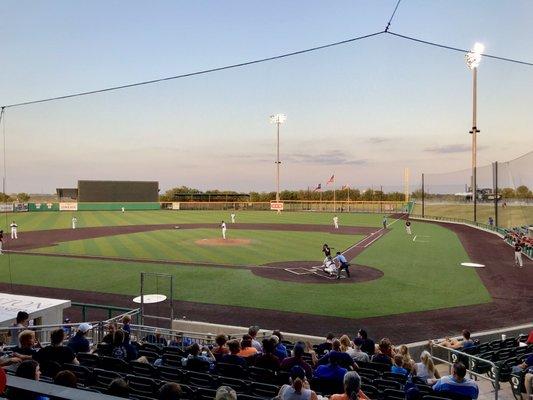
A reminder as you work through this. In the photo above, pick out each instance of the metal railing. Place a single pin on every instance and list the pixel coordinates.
(456, 356)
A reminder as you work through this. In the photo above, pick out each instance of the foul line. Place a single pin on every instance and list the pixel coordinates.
(376, 238)
(414, 238)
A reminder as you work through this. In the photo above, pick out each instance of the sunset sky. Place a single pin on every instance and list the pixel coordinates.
(363, 110)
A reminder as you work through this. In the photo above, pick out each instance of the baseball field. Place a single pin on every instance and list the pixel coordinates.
(269, 263)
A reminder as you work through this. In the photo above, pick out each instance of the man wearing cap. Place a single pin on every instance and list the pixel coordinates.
(79, 343)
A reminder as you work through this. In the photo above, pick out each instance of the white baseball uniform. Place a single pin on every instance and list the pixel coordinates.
(14, 227)
(74, 222)
(336, 222)
(223, 226)
(408, 227)
(123, 209)
(232, 218)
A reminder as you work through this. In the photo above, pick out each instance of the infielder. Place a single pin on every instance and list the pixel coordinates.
(408, 227)
(232, 218)
(74, 222)
(14, 227)
(385, 222)
(518, 254)
(223, 226)
(336, 222)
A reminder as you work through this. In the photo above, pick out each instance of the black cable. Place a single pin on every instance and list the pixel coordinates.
(442, 46)
(392, 16)
(202, 72)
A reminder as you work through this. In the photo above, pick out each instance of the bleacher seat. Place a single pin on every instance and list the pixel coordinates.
(393, 394)
(82, 373)
(143, 369)
(383, 384)
(88, 360)
(232, 370)
(171, 374)
(201, 379)
(102, 378)
(326, 387)
(114, 364)
(143, 386)
(258, 389)
(261, 375)
(391, 376)
(370, 390)
(204, 393)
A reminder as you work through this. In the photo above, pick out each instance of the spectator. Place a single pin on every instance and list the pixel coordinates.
(280, 350)
(267, 359)
(397, 366)
(332, 371)
(110, 335)
(28, 369)
(346, 343)
(528, 383)
(67, 379)
(452, 343)
(408, 362)
(156, 338)
(118, 349)
(21, 323)
(297, 359)
(343, 359)
(425, 369)
(526, 364)
(170, 391)
(233, 357)
(457, 383)
(352, 388)
(132, 350)
(119, 388)
(67, 328)
(220, 348)
(25, 350)
(530, 338)
(356, 353)
(225, 393)
(126, 321)
(56, 352)
(384, 356)
(323, 348)
(247, 350)
(368, 345)
(298, 388)
(204, 359)
(252, 331)
(79, 343)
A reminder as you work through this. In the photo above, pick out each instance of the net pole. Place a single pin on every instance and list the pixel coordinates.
(495, 171)
(423, 213)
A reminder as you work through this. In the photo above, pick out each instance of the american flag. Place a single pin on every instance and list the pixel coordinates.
(319, 187)
(331, 180)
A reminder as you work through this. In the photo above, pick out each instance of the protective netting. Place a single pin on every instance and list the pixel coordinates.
(504, 193)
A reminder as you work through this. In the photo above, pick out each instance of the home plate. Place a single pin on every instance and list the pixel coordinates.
(472, 265)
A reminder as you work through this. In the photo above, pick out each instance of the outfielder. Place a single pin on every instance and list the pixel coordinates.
(74, 222)
(336, 222)
(14, 227)
(408, 227)
(232, 218)
(223, 226)
(518, 254)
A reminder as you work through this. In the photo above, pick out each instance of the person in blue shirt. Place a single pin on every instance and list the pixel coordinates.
(397, 367)
(331, 371)
(79, 343)
(343, 264)
(457, 383)
(280, 350)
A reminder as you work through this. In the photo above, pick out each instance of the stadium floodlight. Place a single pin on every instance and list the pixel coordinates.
(473, 59)
(277, 119)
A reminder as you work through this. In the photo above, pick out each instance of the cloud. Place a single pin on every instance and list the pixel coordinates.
(378, 140)
(451, 148)
(333, 157)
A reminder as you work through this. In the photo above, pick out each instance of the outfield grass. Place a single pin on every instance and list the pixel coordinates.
(508, 217)
(418, 276)
(179, 245)
(32, 221)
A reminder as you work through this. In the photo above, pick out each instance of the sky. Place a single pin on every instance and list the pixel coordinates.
(362, 111)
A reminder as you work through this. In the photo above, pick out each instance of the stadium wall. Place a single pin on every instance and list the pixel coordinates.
(118, 206)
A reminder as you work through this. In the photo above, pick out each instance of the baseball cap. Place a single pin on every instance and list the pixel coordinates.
(85, 327)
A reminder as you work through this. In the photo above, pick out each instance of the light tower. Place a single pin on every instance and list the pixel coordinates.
(277, 119)
(473, 59)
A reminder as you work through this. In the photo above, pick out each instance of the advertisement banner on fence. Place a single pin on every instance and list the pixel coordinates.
(20, 207)
(175, 206)
(276, 206)
(6, 207)
(68, 206)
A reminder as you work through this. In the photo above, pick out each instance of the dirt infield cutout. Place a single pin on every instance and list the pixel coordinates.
(223, 242)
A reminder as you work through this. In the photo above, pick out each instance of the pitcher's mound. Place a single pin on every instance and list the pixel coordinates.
(223, 242)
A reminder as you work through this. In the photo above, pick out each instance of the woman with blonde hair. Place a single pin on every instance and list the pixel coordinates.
(346, 343)
(408, 362)
(298, 388)
(425, 369)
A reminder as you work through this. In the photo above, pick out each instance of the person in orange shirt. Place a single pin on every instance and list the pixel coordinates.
(352, 388)
(247, 350)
